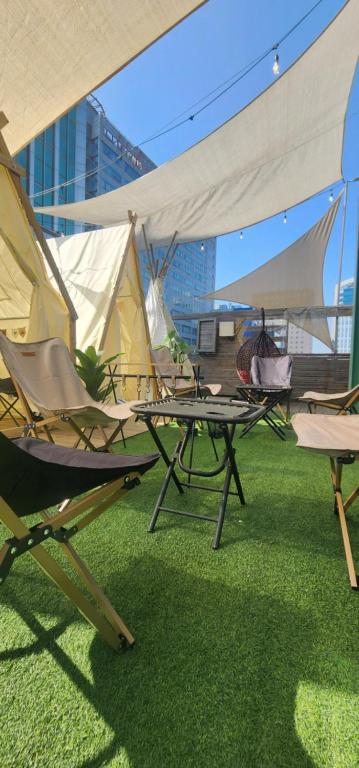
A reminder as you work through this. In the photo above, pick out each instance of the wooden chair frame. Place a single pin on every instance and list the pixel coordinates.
(340, 508)
(342, 410)
(105, 620)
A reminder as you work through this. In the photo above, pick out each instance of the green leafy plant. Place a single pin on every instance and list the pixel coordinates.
(178, 348)
(92, 371)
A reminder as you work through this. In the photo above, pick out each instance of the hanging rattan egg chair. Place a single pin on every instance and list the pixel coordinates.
(261, 344)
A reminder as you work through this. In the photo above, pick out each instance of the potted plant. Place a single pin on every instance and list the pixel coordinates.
(179, 349)
(92, 372)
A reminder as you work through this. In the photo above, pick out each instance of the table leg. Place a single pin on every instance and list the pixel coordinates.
(228, 437)
(222, 507)
(169, 474)
(164, 454)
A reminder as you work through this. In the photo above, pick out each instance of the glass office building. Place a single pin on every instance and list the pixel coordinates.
(344, 324)
(84, 155)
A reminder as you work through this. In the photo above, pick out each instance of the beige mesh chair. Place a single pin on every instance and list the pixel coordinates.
(342, 402)
(338, 438)
(45, 377)
(170, 374)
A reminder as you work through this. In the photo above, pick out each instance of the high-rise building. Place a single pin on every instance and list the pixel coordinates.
(84, 155)
(299, 341)
(343, 294)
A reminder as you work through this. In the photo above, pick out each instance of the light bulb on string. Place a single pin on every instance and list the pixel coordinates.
(202, 247)
(241, 235)
(275, 67)
(331, 196)
(285, 217)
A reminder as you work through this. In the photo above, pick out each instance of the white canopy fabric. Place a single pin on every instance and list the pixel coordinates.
(160, 321)
(292, 279)
(54, 53)
(285, 146)
(30, 308)
(101, 274)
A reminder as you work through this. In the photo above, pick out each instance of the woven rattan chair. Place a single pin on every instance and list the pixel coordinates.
(36, 475)
(261, 345)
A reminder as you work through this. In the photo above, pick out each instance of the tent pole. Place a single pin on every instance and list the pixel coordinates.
(144, 311)
(341, 254)
(149, 254)
(354, 357)
(15, 173)
(167, 260)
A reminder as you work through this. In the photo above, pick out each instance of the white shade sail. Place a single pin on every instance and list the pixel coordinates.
(54, 53)
(292, 279)
(285, 146)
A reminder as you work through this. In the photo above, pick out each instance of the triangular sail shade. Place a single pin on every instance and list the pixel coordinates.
(54, 53)
(292, 279)
(100, 271)
(285, 146)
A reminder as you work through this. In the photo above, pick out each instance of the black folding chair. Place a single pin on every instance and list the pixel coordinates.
(270, 388)
(8, 399)
(36, 475)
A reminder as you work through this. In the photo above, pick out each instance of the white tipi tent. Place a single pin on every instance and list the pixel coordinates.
(101, 273)
(160, 321)
(30, 307)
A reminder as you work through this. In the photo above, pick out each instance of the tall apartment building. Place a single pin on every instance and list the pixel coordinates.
(299, 342)
(83, 147)
(343, 294)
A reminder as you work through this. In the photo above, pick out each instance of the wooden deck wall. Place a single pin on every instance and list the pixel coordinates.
(322, 373)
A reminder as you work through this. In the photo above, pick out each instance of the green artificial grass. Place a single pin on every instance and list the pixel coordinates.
(245, 657)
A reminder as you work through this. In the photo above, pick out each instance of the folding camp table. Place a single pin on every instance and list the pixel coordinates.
(269, 398)
(225, 414)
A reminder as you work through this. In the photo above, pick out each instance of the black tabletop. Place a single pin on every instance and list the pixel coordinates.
(223, 410)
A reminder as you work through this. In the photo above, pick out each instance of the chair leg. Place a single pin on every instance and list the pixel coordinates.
(336, 471)
(95, 590)
(59, 577)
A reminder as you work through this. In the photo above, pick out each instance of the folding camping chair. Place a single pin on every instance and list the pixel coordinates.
(342, 402)
(43, 374)
(174, 381)
(36, 475)
(270, 387)
(8, 399)
(338, 438)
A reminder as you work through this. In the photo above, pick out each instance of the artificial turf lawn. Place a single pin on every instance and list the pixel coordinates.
(245, 657)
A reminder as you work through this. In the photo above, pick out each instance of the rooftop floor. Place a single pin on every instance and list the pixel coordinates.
(245, 657)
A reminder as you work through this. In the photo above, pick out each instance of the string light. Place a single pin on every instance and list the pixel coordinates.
(331, 196)
(202, 247)
(285, 217)
(241, 235)
(275, 67)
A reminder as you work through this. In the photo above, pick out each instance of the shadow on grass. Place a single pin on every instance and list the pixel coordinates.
(211, 681)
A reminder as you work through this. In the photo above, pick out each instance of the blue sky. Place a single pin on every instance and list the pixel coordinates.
(207, 48)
